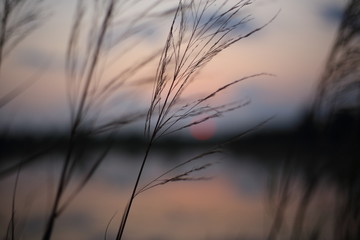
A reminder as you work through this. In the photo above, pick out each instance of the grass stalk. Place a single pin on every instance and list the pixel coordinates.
(133, 194)
(188, 47)
(66, 171)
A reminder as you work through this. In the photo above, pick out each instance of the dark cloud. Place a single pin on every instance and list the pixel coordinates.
(332, 13)
(152, 28)
(37, 59)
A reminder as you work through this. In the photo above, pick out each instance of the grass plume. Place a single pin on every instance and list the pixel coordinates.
(193, 40)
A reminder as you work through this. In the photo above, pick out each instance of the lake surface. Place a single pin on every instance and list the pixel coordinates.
(235, 204)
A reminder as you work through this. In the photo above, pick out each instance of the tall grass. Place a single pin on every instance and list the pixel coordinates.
(193, 40)
(330, 130)
(18, 19)
(84, 92)
(198, 32)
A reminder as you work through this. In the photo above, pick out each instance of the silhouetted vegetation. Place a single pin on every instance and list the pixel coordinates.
(199, 31)
(330, 133)
(320, 156)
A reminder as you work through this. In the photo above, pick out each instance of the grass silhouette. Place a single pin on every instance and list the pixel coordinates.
(198, 32)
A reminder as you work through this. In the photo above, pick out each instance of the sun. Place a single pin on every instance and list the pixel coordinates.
(203, 131)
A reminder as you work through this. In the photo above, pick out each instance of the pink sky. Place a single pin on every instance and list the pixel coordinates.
(294, 47)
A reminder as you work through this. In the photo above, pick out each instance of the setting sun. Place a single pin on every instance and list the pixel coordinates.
(203, 131)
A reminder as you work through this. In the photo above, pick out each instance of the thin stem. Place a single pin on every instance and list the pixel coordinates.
(128, 207)
(4, 23)
(94, 62)
(11, 227)
(60, 189)
(66, 173)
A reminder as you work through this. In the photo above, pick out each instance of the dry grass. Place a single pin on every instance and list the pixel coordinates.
(198, 32)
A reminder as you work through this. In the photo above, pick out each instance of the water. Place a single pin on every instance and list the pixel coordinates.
(235, 204)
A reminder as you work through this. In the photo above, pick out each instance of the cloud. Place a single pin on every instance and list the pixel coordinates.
(221, 21)
(332, 13)
(37, 59)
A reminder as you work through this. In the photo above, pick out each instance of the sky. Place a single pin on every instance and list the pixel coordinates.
(293, 48)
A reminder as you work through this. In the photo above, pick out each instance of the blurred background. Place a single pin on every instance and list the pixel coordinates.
(294, 48)
(289, 136)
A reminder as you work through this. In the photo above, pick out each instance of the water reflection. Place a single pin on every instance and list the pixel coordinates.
(231, 205)
(262, 189)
